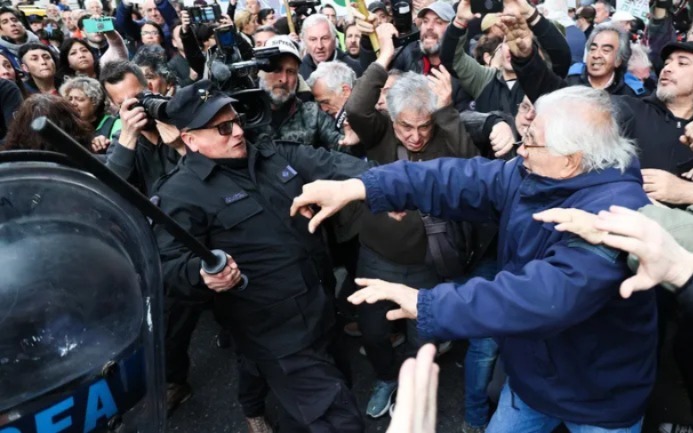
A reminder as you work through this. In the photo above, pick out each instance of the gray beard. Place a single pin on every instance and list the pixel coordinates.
(434, 50)
(664, 95)
(277, 100)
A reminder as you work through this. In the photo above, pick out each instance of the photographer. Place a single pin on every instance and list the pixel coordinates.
(146, 149)
(293, 119)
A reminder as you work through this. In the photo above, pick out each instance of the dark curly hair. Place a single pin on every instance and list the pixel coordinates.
(65, 71)
(21, 136)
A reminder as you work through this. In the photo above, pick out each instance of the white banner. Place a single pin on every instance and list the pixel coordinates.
(637, 8)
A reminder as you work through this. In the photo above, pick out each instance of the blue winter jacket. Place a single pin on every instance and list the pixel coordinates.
(572, 347)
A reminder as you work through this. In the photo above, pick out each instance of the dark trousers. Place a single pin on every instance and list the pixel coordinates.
(181, 317)
(312, 392)
(373, 323)
(252, 388)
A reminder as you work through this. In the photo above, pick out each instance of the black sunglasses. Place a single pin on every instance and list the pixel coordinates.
(226, 128)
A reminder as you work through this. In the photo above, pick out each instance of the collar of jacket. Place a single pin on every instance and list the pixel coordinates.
(615, 85)
(542, 188)
(203, 166)
(662, 108)
(337, 55)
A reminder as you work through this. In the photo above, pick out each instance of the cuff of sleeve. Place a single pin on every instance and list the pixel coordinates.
(425, 323)
(456, 32)
(122, 156)
(193, 267)
(375, 198)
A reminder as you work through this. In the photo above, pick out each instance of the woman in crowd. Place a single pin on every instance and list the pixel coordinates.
(76, 58)
(89, 101)
(266, 17)
(21, 136)
(39, 65)
(247, 25)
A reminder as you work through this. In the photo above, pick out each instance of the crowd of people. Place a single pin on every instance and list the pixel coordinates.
(521, 179)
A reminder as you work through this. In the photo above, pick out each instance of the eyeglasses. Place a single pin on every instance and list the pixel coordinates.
(150, 33)
(226, 128)
(525, 108)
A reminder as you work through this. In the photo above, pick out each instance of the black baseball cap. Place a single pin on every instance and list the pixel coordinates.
(377, 6)
(676, 46)
(195, 105)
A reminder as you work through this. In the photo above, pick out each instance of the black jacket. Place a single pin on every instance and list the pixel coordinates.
(538, 79)
(656, 132)
(11, 98)
(244, 211)
(308, 65)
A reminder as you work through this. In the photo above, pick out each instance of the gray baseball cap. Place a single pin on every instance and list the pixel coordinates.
(440, 8)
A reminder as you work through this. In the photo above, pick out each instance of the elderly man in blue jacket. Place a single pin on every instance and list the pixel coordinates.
(576, 353)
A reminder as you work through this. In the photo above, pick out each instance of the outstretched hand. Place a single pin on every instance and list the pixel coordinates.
(329, 195)
(375, 290)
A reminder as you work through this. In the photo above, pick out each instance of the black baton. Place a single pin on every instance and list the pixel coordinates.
(213, 261)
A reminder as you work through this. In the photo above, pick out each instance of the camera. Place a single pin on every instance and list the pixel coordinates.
(154, 107)
(233, 70)
(98, 25)
(402, 20)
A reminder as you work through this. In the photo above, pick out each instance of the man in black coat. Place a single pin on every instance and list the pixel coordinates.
(235, 196)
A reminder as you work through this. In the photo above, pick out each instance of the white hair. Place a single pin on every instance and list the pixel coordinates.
(639, 56)
(88, 2)
(580, 119)
(314, 20)
(412, 92)
(333, 75)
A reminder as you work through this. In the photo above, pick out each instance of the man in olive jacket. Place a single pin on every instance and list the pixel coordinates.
(422, 124)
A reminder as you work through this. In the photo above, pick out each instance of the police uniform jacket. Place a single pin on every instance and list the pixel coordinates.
(241, 206)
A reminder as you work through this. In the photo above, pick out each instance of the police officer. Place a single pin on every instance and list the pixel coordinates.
(235, 196)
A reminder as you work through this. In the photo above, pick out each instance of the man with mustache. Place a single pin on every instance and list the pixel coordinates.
(352, 40)
(293, 119)
(424, 56)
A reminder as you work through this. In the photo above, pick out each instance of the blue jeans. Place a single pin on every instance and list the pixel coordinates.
(514, 416)
(480, 359)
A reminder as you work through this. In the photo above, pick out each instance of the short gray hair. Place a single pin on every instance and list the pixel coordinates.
(411, 91)
(333, 75)
(639, 56)
(91, 87)
(580, 119)
(88, 2)
(314, 20)
(624, 51)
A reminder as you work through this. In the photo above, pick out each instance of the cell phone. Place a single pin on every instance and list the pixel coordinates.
(208, 14)
(98, 25)
(487, 6)
(225, 37)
